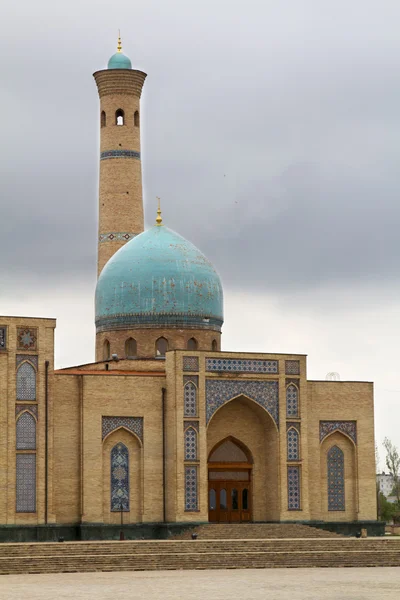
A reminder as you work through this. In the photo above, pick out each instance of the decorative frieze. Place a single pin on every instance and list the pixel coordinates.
(292, 367)
(347, 427)
(190, 363)
(116, 236)
(241, 365)
(221, 391)
(119, 154)
(134, 424)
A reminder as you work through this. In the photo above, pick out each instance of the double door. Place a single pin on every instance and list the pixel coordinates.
(229, 501)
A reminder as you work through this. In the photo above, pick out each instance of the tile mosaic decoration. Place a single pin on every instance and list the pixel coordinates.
(191, 503)
(295, 424)
(116, 236)
(26, 483)
(190, 363)
(26, 432)
(194, 424)
(190, 400)
(134, 424)
(335, 470)
(26, 382)
(293, 488)
(347, 427)
(220, 391)
(292, 401)
(241, 365)
(33, 408)
(292, 367)
(119, 154)
(119, 478)
(3, 338)
(32, 358)
(190, 444)
(293, 446)
(26, 338)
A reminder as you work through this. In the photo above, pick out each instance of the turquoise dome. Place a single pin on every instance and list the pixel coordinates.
(119, 61)
(159, 279)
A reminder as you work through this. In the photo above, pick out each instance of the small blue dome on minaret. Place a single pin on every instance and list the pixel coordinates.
(119, 60)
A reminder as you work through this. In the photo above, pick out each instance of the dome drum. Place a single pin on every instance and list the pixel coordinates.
(151, 320)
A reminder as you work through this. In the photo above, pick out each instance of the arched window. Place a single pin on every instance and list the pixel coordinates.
(26, 483)
(192, 344)
(26, 382)
(293, 449)
(119, 478)
(292, 401)
(335, 468)
(130, 348)
(214, 346)
(161, 347)
(190, 444)
(136, 119)
(222, 499)
(103, 118)
(26, 432)
(106, 350)
(190, 400)
(119, 117)
(212, 499)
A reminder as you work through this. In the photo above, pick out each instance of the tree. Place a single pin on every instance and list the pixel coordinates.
(393, 465)
(387, 509)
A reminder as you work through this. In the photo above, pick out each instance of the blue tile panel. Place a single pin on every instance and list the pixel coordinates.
(220, 391)
(241, 365)
(26, 432)
(26, 483)
(191, 502)
(293, 446)
(32, 358)
(292, 401)
(190, 400)
(119, 478)
(347, 427)
(335, 469)
(26, 338)
(292, 367)
(26, 382)
(190, 363)
(294, 488)
(116, 236)
(119, 154)
(134, 424)
(3, 338)
(190, 444)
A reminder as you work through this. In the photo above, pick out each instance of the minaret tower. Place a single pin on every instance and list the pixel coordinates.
(120, 188)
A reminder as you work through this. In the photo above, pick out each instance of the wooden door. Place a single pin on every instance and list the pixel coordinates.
(229, 501)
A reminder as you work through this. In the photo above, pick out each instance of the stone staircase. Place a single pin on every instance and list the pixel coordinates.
(174, 554)
(241, 531)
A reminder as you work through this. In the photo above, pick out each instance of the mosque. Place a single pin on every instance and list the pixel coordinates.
(165, 427)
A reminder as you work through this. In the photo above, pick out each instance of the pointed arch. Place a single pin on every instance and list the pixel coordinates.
(293, 444)
(26, 381)
(192, 344)
(119, 117)
(130, 348)
(119, 484)
(190, 444)
(161, 347)
(336, 479)
(214, 346)
(103, 119)
(292, 400)
(212, 410)
(123, 428)
(26, 431)
(230, 449)
(106, 350)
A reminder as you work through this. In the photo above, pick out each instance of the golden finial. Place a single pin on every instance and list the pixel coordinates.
(119, 47)
(159, 218)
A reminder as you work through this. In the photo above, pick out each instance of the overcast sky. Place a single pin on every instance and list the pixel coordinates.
(270, 129)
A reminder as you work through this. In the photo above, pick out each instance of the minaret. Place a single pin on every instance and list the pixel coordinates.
(120, 188)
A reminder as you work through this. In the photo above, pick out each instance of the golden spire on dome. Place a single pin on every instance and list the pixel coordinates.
(119, 47)
(159, 217)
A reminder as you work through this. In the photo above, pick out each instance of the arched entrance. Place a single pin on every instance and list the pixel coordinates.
(229, 482)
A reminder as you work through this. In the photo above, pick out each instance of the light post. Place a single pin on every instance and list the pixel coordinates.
(121, 533)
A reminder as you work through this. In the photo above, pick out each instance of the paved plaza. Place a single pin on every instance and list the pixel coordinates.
(248, 584)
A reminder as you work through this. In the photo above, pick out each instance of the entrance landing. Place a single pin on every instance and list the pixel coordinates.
(255, 531)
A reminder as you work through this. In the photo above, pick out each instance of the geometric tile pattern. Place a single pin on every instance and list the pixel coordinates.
(292, 401)
(32, 358)
(220, 391)
(292, 367)
(26, 382)
(293, 446)
(3, 334)
(26, 338)
(190, 363)
(190, 444)
(293, 488)
(134, 424)
(335, 467)
(32, 408)
(242, 365)
(191, 489)
(347, 427)
(26, 483)
(190, 400)
(26, 432)
(120, 478)
(194, 424)
(293, 424)
(116, 236)
(119, 154)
